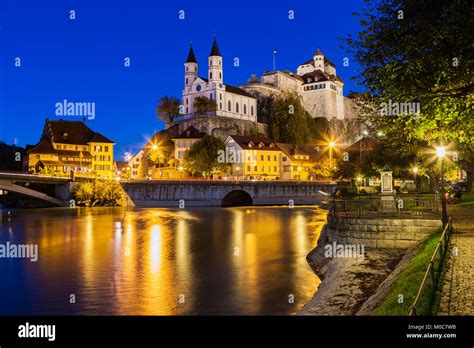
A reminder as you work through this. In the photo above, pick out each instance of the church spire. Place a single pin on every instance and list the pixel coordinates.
(215, 49)
(191, 56)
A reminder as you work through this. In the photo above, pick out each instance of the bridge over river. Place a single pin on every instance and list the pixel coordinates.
(226, 193)
(175, 193)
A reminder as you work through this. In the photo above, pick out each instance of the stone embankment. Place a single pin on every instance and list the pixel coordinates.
(347, 283)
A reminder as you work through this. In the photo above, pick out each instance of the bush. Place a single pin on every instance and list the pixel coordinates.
(100, 193)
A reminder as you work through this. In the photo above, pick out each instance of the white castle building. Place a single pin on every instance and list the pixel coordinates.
(315, 82)
(231, 101)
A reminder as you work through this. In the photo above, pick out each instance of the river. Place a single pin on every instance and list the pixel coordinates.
(156, 261)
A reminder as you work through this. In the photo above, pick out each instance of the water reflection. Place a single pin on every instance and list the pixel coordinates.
(161, 261)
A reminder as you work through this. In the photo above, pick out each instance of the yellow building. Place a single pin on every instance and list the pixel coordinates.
(296, 162)
(184, 141)
(252, 158)
(67, 146)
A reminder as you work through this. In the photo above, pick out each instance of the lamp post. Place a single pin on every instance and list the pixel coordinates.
(440, 153)
(359, 180)
(180, 169)
(331, 145)
(415, 171)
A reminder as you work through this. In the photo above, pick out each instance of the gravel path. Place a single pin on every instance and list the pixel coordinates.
(457, 292)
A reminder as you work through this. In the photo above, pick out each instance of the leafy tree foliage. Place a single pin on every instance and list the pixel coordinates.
(204, 105)
(100, 193)
(168, 109)
(202, 157)
(419, 52)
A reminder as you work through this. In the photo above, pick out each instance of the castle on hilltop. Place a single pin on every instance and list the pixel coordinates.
(315, 83)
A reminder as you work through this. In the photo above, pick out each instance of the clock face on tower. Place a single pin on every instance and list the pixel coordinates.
(198, 88)
(220, 85)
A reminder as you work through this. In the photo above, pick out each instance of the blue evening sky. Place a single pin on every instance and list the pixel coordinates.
(82, 59)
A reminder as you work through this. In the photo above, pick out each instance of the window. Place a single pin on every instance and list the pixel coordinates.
(236, 107)
(106, 149)
(210, 75)
(220, 75)
(248, 168)
(210, 96)
(220, 96)
(275, 169)
(275, 158)
(186, 80)
(283, 159)
(255, 168)
(245, 109)
(251, 110)
(262, 157)
(268, 158)
(220, 106)
(229, 106)
(180, 154)
(186, 70)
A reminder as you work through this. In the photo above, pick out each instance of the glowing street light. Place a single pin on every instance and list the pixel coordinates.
(440, 151)
(332, 144)
(154, 147)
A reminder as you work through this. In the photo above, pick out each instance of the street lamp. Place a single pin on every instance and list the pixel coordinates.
(180, 168)
(154, 147)
(441, 153)
(415, 171)
(331, 145)
(359, 181)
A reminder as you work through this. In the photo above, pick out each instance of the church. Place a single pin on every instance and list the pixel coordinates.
(236, 109)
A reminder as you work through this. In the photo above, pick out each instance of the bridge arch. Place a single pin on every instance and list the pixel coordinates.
(237, 198)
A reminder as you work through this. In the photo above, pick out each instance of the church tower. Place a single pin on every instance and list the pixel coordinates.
(318, 59)
(215, 64)
(190, 68)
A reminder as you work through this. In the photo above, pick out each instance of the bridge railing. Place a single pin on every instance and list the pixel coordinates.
(376, 206)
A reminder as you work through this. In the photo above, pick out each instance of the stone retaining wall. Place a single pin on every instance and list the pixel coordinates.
(380, 233)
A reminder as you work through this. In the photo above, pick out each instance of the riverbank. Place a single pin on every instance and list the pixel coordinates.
(347, 282)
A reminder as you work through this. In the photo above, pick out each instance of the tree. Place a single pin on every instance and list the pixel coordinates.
(203, 156)
(419, 52)
(203, 105)
(168, 109)
(288, 121)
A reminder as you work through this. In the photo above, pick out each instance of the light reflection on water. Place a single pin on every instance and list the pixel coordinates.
(155, 261)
